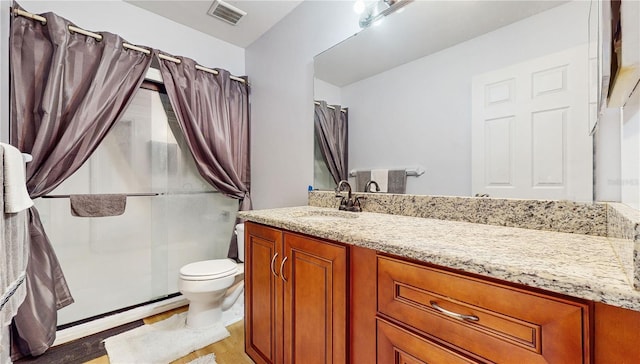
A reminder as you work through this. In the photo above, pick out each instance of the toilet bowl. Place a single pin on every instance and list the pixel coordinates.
(212, 287)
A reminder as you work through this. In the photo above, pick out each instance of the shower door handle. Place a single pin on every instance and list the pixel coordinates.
(284, 279)
(272, 261)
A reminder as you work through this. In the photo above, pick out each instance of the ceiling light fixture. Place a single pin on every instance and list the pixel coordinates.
(378, 10)
(359, 6)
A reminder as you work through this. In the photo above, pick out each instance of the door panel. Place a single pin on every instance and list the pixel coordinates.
(530, 129)
(315, 301)
(499, 151)
(549, 139)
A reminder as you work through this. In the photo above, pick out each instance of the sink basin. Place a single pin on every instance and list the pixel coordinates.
(325, 215)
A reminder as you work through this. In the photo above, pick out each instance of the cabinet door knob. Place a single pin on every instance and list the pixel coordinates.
(284, 279)
(455, 315)
(272, 261)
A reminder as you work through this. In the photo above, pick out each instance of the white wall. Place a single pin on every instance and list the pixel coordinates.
(607, 159)
(280, 66)
(630, 152)
(323, 90)
(419, 114)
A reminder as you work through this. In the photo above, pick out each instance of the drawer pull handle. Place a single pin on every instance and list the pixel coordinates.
(455, 315)
(284, 279)
(272, 261)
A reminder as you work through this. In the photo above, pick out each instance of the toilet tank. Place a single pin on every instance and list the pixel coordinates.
(240, 234)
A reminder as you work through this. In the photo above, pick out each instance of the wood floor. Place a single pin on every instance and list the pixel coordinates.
(228, 351)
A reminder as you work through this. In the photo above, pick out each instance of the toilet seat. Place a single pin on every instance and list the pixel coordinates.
(208, 270)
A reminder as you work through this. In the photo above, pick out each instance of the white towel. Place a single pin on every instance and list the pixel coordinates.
(16, 197)
(14, 255)
(382, 177)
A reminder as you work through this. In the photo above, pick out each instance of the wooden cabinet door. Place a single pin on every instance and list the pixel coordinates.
(399, 346)
(263, 294)
(315, 301)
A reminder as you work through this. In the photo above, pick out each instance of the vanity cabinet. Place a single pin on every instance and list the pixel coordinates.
(299, 306)
(296, 297)
(458, 318)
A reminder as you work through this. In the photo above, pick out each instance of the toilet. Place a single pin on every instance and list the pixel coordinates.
(212, 286)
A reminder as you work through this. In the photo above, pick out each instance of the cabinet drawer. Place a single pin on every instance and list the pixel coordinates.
(399, 346)
(496, 322)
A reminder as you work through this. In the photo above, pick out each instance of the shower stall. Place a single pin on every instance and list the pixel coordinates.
(172, 215)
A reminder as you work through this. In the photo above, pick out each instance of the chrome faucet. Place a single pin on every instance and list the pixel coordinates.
(367, 187)
(347, 203)
(339, 188)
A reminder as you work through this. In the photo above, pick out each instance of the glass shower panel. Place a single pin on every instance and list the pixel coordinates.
(204, 232)
(115, 262)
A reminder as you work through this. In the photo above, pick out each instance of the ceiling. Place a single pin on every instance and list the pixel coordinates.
(261, 16)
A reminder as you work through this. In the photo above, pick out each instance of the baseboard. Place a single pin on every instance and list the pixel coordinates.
(109, 322)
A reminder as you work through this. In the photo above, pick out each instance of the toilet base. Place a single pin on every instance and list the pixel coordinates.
(203, 314)
(206, 308)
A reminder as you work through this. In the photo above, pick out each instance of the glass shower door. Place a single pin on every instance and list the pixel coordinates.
(119, 261)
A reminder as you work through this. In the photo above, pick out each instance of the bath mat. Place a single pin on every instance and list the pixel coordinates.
(207, 359)
(161, 342)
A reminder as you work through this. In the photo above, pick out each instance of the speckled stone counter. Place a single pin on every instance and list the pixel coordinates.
(552, 215)
(614, 220)
(624, 222)
(590, 267)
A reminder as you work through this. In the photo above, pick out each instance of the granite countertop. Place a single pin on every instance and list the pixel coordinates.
(590, 267)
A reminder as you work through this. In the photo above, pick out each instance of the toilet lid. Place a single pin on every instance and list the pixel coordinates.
(209, 269)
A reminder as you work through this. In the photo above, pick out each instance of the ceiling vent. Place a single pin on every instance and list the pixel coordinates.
(225, 11)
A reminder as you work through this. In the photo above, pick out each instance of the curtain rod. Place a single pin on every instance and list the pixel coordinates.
(330, 107)
(97, 36)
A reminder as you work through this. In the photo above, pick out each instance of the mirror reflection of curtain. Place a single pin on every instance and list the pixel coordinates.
(67, 92)
(213, 113)
(331, 132)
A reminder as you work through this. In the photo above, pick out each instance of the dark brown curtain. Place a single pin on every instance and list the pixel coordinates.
(331, 134)
(67, 91)
(213, 113)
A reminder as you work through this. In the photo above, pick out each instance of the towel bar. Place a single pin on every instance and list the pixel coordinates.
(151, 194)
(411, 172)
(126, 194)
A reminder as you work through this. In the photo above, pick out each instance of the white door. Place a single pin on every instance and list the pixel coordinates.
(530, 129)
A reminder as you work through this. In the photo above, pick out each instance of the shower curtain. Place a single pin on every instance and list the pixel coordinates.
(331, 132)
(213, 113)
(67, 91)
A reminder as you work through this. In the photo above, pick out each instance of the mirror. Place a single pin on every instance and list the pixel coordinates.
(487, 97)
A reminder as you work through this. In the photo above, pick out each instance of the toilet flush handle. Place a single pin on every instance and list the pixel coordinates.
(272, 261)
